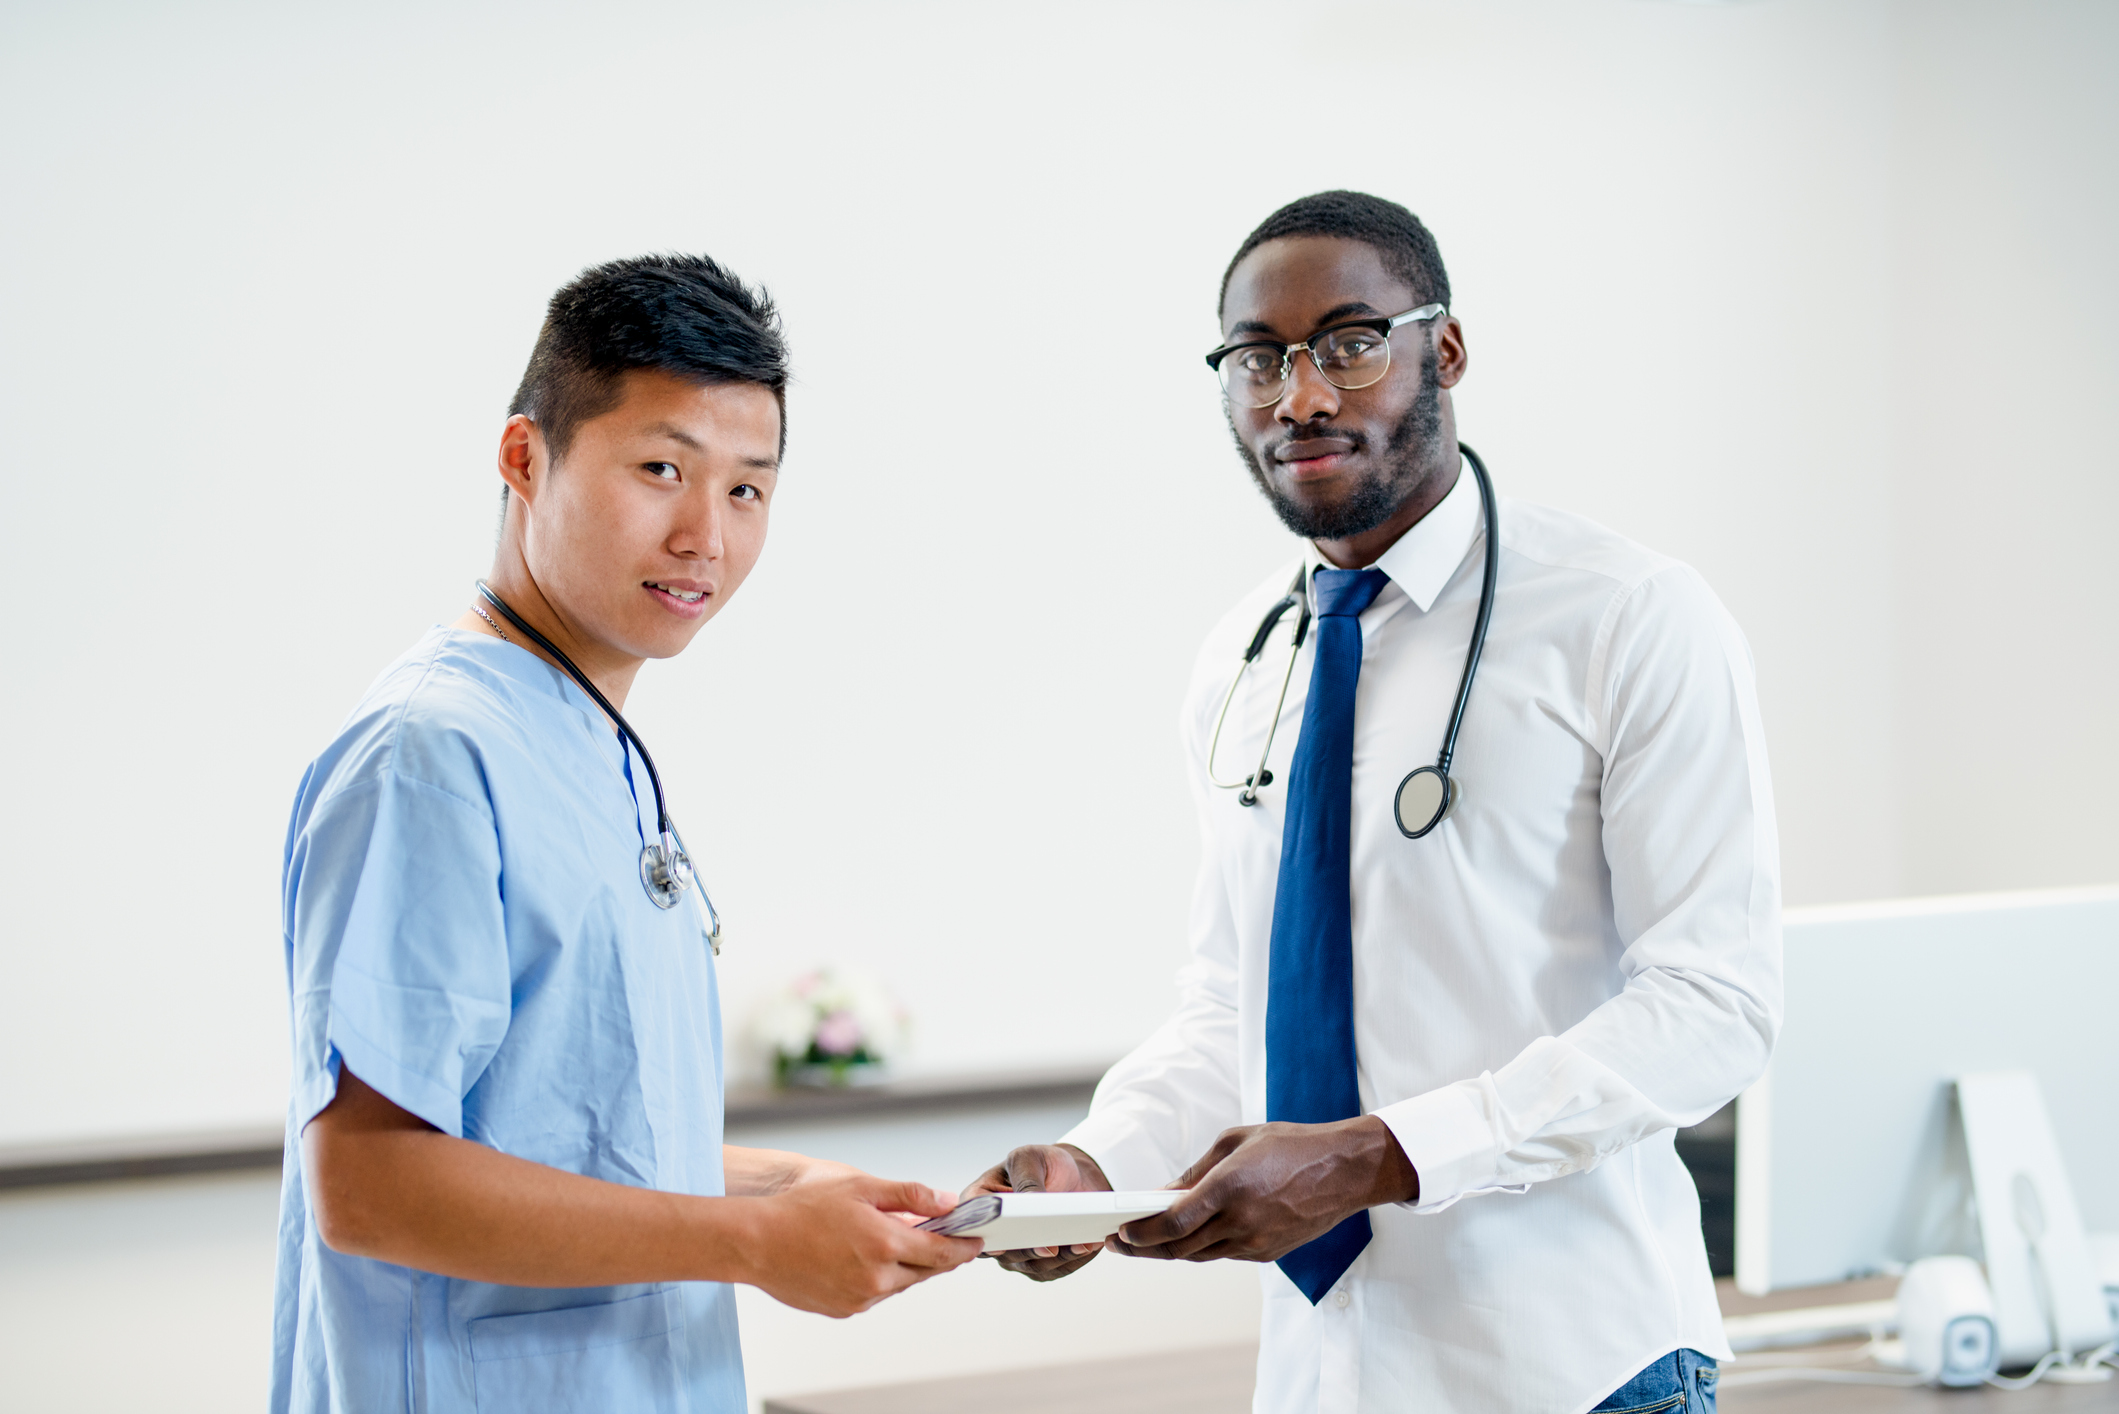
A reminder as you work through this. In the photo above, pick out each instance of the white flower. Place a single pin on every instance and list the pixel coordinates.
(851, 1006)
(787, 1026)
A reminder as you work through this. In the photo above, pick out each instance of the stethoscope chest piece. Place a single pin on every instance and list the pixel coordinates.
(1424, 798)
(666, 875)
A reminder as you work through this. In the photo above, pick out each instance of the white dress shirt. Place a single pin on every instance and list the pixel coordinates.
(1582, 958)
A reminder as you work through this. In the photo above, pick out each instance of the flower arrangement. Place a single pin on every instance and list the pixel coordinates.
(832, 1027)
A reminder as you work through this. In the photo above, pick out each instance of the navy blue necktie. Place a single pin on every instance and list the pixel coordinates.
(1310, 982)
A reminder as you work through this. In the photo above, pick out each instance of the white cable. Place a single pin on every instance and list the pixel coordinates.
(1833, 1377)
(1790, 1359)
(2045, 1362)
(2107, 1354)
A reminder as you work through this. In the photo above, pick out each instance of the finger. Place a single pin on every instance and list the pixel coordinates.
(1026, 1168)
(898, 1197)
(932, 1251)
(1174, 1222)
(903, 1277)
(1043, 1268)
(1181, 1247)
(993, 1180)
(1221, 1148)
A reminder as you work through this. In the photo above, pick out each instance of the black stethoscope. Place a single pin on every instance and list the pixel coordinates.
(1426, 794)
(665, 869)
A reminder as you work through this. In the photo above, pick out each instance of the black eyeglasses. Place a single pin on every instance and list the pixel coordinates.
(1349, 356)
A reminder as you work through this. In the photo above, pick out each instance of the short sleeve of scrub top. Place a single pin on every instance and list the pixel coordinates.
(407, 874)
(466, 931)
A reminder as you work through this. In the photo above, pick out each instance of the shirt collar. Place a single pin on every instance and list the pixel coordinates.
(1423, 559)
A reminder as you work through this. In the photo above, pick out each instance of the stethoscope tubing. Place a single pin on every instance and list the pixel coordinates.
(1299, 594)
(662, 814)
(1486, 606)
(1262, 777)
(674, 867)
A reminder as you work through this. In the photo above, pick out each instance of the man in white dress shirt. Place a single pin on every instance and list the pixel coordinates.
(1489, 1045)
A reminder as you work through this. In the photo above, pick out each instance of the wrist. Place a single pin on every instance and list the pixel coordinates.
(1392, 1177)
(1092, 1172)
(742, 1230)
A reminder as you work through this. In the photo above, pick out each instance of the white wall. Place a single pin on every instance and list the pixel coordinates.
(2006, 348)
(268, 276)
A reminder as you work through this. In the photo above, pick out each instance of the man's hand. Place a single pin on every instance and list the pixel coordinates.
(1044, 1168)
(1265, 1189)
(837, 1243)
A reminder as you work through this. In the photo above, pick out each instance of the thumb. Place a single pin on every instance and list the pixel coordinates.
(1026, 1169)
(904, 1197)
(1201, 1167)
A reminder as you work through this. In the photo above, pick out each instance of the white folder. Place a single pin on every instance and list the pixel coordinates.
(1012, 1221)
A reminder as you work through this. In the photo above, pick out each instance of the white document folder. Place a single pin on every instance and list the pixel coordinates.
(1012, 1221)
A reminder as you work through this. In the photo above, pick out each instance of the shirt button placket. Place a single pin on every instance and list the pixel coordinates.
(1339, 1371)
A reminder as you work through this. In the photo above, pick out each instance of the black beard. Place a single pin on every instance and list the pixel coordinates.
(1398, 474)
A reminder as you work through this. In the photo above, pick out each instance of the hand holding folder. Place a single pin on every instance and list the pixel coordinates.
(1013, 1222)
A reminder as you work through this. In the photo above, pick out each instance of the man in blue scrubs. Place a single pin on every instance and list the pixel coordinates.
(505, 1182)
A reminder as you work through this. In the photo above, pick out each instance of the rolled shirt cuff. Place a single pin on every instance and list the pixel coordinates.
(1123, 1149)
(1450, 1137)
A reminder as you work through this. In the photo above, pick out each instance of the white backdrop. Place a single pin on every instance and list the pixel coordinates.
(1765, 285)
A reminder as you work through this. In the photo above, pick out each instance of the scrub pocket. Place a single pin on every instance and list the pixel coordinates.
(580, 1360)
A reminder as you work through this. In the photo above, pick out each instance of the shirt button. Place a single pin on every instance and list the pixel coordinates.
(1340, 1298)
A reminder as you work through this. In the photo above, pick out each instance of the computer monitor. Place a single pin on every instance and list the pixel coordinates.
(1850, 1156)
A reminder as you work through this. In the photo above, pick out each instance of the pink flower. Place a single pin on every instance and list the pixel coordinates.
(839, 1034)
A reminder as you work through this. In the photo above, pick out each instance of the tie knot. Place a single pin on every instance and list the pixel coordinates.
(1346, 592)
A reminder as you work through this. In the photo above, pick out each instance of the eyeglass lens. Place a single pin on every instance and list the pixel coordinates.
(1350, 358)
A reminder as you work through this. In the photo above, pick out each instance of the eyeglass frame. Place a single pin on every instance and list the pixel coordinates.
(1386, 327)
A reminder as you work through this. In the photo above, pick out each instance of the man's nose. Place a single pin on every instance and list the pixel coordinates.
(697, 534)
(1307, 395)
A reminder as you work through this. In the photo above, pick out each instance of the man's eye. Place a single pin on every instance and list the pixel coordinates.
(745, 492)
(666, 470)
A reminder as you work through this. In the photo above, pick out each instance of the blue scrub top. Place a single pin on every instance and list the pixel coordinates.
(465, 928)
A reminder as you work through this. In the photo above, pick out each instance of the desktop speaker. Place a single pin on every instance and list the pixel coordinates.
(2104, 1255)
(1946, 1319)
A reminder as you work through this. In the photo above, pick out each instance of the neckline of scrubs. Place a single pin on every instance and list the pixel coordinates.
(520, 665)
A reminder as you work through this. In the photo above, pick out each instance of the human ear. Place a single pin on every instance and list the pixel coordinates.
(523, 463)
(1451, 358)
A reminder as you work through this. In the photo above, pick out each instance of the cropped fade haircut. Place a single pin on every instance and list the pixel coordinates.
(682, 314)
(1408, 250)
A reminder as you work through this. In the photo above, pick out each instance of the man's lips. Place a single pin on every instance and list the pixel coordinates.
(686, 598)
(1313, 456)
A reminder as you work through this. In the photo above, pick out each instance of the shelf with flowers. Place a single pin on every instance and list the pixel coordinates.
(832, 1027)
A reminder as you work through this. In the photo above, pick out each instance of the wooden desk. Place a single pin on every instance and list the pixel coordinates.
(1218, 1380)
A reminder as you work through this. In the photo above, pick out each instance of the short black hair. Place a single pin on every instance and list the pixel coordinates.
(683, 314)
(1407, 247)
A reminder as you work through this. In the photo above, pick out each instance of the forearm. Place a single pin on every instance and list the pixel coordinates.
(1637, 1066)
(426, 1200)
(760, 1173)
